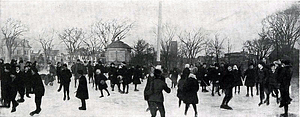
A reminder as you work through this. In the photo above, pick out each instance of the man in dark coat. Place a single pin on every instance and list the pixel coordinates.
(28, 80)
(214, 75)
(156, 99)
(227, 83)
(137, 75)
(65, 80)
(250, 75)
(20, 83)
(78, 66)
(174, 77)
(58, 73)
(284, 80)
(123, 72)
(82, 90)
(39, 90)
(203, 77)
(262, 75)
(90, 72)
(112, 74)
(272, 83)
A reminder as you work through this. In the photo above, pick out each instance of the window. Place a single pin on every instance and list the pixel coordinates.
(19, 52)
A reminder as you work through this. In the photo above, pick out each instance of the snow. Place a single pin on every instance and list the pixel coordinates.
(133, 104)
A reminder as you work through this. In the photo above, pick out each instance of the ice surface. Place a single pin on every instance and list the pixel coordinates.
(133, 104)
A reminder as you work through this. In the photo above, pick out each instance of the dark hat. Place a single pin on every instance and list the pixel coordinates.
(80, 72)
(286, 62)
(271, 65)
(217, 64)
(7, 66)
(157, 72)
(34, 69)
(65, 65)
(124, 62)
(112, 63)
(78, 60)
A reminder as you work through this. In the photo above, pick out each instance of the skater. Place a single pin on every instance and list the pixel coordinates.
(182, 80)
(39, 90)
(149, 89)
(156, 99)
(215, 75)
(82, 90)
(1, 79)
(272, 84)
(124, 75)
(174, 77)
(250, 76)
(101, 82)
(78, 66)
(262, 78)
(237, 79)
(102, 68)
(65, 80)
(28, 80)
(90, 72)
(20, 83)
(227, 83)
(284, 80)
(113, 77)
(191, 87)
(203, 77)
(137, 75)
(58, 73)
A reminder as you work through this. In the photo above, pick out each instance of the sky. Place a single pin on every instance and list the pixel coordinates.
(235, 20)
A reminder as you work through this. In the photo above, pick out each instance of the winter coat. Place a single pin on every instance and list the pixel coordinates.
(204, 79)
(58, 72)
(214, 75)
(126, 76)
(149, 88)
(237, 78)
(272, 79)
(52, 70)
(101, 81)
(28, 78)
(285, 76)
(174, 75)
(159, 86)
(262, 75)
(38, 86)
(180, 92)
(65, 76)
(185, 72)
(191, 88)
(112, 75)
(77, 67)
(227, 81)
(136, 76)
(82, 90)
(90, 70)
(20, 79)
(250, 75)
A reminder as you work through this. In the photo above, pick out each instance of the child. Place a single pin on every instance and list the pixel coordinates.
(272, 84)
(102, 84)
(227, 83)
(250, 75)
(82, 90)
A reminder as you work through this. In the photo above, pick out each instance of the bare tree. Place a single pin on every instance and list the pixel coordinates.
(73, 39)
(46, 41)
(261, 47)
(94, 45)
(216, 46)
(110, 31)
(193, 42)
(12, 30)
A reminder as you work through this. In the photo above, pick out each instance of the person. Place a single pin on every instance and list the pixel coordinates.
(102, 68)
(262, 76)
(284, 80)
(20, 83)
(101, 82)
(191, 87)
(181, 82)
(124, 75)
(82, 90)
(227, 83)
(65, 80)
(149, 88)
(272, 84)
(78, 66)
(113, 77)
(90, 72)
(39, 90)
(156, 99)
(203, 77)
(237, 79)
(215, 75)
(28, 80)
(13, 87)
(137, 75)
(59, 74)
(174, 77)
(250, 76)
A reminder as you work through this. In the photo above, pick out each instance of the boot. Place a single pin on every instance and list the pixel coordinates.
(82, 108)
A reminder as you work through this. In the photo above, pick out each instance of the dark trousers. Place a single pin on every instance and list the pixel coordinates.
(154, 106)
(228, 96)
(66, 89)
(38, 102)
(261, 92)
(83, 104)
(285, 96)
(125, 86)
(101, 91)
(28, 89)
(21, 90)
(113, 86)
(12, 96)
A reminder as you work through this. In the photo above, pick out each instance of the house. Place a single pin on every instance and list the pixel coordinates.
(22, 50)
(117, 52)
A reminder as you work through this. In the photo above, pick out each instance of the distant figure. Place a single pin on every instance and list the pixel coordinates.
(82, 90)
(112, 74)
(181, 82)
(262, 78)
(203, 77)
(65, 80)
(137, 75)
(174, 77)
(191, 87)
(101, 81)
(250, 76)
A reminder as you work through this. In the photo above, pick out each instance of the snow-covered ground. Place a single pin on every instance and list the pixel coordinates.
(133, 104)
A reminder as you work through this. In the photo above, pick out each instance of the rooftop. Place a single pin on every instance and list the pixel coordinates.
(118, 44)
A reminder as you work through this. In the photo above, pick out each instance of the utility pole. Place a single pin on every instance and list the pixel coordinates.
(159, 32)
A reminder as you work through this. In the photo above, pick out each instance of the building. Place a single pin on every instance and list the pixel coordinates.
(117, 52)
(21, 51)
(241, 59)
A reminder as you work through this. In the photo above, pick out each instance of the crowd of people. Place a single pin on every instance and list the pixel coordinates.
(24, 78)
